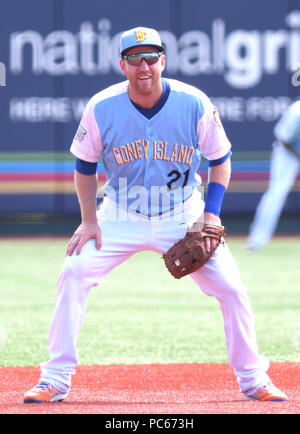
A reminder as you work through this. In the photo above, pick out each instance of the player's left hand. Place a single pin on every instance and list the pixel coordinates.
(211, 243)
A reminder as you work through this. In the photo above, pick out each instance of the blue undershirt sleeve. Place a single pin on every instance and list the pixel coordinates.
(85, 167)
(219, 161)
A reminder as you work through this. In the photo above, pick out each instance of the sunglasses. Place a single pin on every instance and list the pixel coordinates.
(136, 59)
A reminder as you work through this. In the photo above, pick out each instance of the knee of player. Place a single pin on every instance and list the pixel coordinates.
(76, 266)
(232, 290)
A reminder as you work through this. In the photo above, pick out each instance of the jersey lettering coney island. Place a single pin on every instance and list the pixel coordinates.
(138, 150)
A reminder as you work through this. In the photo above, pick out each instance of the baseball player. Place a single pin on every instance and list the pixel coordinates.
(285, 165)
(151, 133)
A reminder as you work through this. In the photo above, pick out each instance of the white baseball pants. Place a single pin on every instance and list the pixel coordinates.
(283, 172)
(219, 277)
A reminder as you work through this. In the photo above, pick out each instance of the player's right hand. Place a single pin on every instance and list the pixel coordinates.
(84, 233)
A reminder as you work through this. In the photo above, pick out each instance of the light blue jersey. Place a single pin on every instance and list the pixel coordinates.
(287, 130)
(151, 163)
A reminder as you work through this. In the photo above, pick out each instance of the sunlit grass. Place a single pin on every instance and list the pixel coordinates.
(140, 314)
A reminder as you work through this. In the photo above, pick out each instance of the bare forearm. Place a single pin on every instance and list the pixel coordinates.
(220, 174)
(86, 189)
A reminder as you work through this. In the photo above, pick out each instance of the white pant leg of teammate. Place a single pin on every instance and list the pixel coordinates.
(283, 172)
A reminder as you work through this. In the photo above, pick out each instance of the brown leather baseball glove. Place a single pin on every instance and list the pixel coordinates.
(189, 253)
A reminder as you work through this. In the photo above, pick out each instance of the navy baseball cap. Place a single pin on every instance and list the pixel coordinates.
(139, 36)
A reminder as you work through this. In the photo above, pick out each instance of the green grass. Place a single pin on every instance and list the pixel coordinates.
(140, 314)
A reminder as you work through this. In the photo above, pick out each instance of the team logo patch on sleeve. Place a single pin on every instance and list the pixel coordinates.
(81, 132)
(216, 117)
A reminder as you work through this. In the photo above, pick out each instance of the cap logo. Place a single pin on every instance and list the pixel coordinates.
(140, 35)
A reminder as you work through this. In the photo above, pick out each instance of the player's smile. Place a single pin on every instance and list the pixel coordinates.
(144, 77)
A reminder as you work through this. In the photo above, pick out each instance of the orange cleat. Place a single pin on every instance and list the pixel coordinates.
(43, 392)
(267, 392)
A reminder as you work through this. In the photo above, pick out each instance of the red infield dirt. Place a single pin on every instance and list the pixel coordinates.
(151, 389)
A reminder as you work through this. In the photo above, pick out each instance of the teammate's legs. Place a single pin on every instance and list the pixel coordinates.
(283, 172)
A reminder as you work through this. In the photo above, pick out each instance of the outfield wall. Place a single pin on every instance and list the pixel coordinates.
(55, 54)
